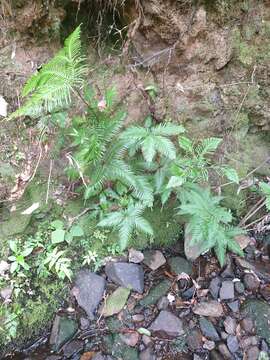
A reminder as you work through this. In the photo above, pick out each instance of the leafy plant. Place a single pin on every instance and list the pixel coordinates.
(152, 140)
(126, 221)
(208, 223)
(54, 84)
(62, 265)
(18, 256)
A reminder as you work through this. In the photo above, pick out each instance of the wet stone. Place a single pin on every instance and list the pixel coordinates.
(180, 265)
(126, 275)
(62, 331)
(251, 282)
(88, 290)
(156, 293)
(214, 287)
(226, 290)
(208, 329)
(154, 259)
(168, 324)
(230, 325)
(232, 343)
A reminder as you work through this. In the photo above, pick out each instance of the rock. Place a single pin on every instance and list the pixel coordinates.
(180, 265)
(6, 293)
(88, 290)
(130, 339)
(216, 355)
(4, 267)
(98, 356)
(156, 293)
(251, 282)
(224, 335)
(147, 354)
(53, 357)
(248, 341)
(135, 256)
(126, 275)
(138, 318)
(239, 287)
(259, 312)
(228, 271)
(234, 306)
(265, 292)
(163, 303)
(84, 323)
(74, 347)
(63, 330)
(154, 259)
(232, 343)
(189, 293)
(167, 323)
(122, 351)
(146, 340)
(243, 241)
(252, 353)
(208, 329)
(208, 308)
(230, 325)
(209, 345)
(226, 290)
(214, 287)
(247, 325)
(222, 348)
(116, 301)
(194, 340)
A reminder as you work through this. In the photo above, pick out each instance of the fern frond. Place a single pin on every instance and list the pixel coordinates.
(168, 129)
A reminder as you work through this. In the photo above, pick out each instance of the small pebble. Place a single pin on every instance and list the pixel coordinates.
(209, 345)
(252, 353)
(239, 287)
(251, 282)
(226, 290)
(138, 318)
(247, 325)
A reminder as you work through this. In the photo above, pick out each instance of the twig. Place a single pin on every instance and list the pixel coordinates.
(49, 180)
(246, 227)
(252, 213)
(75, 218)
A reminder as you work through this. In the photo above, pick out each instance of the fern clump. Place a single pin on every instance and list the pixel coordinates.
(208, 223)
(52, 87)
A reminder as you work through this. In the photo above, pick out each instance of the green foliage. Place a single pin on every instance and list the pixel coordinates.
(18, 256)
(265, 189)
(126, 221)
(208, 223)
(52, 87)
(55, 260)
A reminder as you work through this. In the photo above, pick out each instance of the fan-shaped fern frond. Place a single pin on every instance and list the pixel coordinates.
(52, 87)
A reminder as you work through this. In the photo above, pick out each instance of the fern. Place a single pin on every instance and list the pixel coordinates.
(265, 189)
(208, 223)
(52, 87)
(152, 140)
(126, 221)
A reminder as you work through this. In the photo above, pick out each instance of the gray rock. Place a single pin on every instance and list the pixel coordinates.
(146, 340)
(84, 323)
(74, 347)
(208, 308)
(226, 290)
(154, 259)
(224, 351)
(147, 354)
(194, 340)
(88, 291)
(234, 306)
(130, 338)
(230, 325)
(228, 271)
(167, 323)
(135, 256)
(247, 341)
(180, 265)
(239, 287)
(53, 357)
(251, 282)
(189, 293)
(232, 343)
(127, 275)
(209, 345)
(62, 331)
(247, 325)
(138, 317)
(99, 356)
(163, 303)
(156, 293)
(214, 287)
(208, 329)
(252, 353)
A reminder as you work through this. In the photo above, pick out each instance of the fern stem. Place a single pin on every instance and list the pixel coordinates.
(253, 211)
(77, 92)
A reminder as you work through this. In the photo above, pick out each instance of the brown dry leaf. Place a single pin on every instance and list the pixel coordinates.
(243, 241)
(88, 355)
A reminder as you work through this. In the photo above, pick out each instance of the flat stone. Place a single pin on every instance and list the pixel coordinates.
(230, 325)
(130, 339)
(126, 274)
(156, 293)
(251, 282)
(154, 259)
(234, 306)
(62, 331)
(147, 354)
(74, 347)
(135, 256)
(214, 287)
(88, 290)
(194, 340)
(232, 343)
(243, 241)
(208, 329)
(180, 265)
(116, 301)
(208, 308)
(167, 323)
(226, 290)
